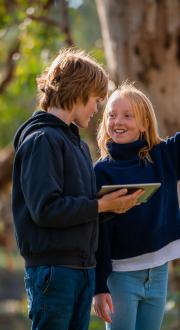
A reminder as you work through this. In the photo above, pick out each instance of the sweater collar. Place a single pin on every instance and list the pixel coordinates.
(127, 150)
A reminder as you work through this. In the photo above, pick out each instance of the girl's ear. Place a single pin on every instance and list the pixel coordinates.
(142, 130)
(144, 127)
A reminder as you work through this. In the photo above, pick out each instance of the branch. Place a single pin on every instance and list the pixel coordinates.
(63, 6)
(48, 4)
(64, 26)
(10, 67)
(43, 19)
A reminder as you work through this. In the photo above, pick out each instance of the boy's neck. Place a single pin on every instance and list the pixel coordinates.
(64, 115)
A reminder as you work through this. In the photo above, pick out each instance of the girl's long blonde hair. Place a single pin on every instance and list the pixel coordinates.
(144, 114)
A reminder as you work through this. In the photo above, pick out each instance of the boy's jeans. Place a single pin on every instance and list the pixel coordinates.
(139, 298)
(59, 297)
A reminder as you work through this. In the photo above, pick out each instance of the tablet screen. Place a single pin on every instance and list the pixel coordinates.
(149, 189)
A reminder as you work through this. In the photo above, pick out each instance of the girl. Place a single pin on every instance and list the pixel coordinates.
(135, 247)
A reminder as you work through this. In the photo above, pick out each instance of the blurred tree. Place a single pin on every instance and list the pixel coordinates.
(24, 34)
(142, 43)
(30, 33)
(29, 37)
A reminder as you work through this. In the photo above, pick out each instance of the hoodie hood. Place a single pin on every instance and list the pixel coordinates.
(38, 120)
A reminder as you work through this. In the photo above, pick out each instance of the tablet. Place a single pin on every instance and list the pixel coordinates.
(149, 189)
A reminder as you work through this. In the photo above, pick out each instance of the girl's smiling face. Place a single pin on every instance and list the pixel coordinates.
(122, 126)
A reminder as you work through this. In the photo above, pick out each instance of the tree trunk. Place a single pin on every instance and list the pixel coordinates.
(6, 161)
(142, 43)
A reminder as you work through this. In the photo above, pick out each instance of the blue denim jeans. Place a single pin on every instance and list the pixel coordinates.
(139, 298)
(59, 298)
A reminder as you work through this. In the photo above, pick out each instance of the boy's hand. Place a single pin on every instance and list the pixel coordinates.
(129, 203)
(118, 201)
(103, 306)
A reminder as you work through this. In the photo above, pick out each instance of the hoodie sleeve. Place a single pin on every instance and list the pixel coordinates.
(42, 186)
(100, 173)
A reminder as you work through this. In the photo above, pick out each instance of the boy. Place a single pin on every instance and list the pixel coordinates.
(55, 207)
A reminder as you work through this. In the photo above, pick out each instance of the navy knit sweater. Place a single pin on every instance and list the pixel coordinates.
(149, 226)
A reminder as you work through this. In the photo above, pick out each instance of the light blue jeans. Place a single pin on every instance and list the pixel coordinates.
(139, 298)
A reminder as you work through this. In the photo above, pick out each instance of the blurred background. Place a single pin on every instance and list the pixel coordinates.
(134, 39)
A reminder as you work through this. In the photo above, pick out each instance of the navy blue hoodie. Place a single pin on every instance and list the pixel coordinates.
(150, 226)
(54, 201)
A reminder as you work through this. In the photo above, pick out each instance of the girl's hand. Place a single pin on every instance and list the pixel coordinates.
(118, 201)
(103, 306)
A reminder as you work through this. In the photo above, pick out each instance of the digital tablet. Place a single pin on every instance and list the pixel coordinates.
(149, 189)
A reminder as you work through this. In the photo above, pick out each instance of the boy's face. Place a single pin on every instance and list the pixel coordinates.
(122, 125)
(83, 113)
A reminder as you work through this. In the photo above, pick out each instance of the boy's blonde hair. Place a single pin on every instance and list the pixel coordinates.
(72, 75)
(144, 114)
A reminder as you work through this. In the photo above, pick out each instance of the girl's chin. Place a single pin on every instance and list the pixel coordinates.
(119, 139)
(122, 140)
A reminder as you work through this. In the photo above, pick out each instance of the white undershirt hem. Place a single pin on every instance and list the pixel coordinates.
(148, 260)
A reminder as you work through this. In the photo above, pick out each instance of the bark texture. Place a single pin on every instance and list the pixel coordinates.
(142, 43)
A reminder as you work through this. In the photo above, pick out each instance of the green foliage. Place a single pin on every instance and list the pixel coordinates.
(39, 42)
(96, 323)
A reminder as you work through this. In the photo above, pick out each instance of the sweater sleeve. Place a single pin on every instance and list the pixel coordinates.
(42, 185)
(100, 175)
(103, 256)
(173, 144)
